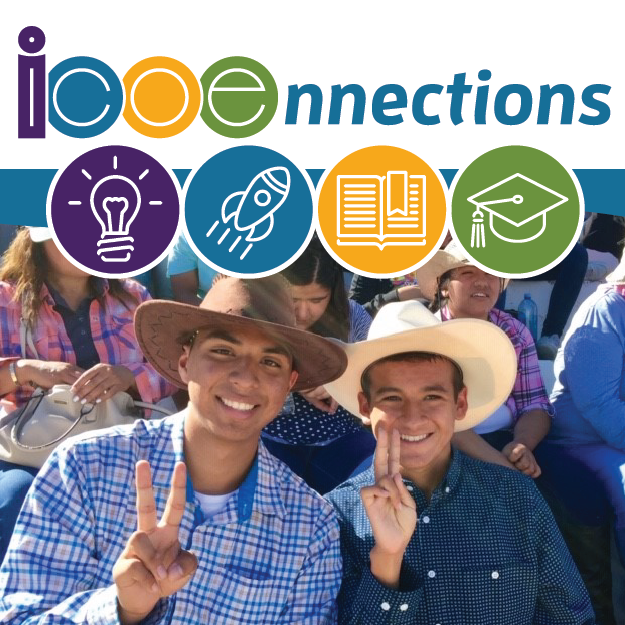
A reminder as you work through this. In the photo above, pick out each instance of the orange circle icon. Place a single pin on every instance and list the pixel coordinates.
(382, 211)
(163, 97)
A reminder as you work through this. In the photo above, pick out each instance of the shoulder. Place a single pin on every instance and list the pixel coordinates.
(516, 330)
(359, 321)
(346, 501)
(7, 292)
(135, 289)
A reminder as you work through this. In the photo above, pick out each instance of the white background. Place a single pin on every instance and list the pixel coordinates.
(326, 43)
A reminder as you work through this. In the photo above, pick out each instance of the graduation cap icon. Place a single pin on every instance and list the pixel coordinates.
(517, 208)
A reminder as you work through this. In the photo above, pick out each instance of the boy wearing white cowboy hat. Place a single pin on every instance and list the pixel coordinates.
(428, 534)
(212, 528)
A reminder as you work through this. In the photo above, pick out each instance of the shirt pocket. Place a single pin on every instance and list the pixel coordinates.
(247, 596)
(496, 594)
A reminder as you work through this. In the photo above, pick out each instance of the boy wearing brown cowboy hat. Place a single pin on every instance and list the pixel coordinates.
(212, 528)
(428, 534)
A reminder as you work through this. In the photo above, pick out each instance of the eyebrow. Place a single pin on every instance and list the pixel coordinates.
(426, 389)
(224, 335)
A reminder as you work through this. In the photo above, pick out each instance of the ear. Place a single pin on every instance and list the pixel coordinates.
(183, 362)
(462, 404)
(293, 379)
(365, 408)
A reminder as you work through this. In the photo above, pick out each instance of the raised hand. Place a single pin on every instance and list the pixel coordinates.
(320, 398)
(153, 565)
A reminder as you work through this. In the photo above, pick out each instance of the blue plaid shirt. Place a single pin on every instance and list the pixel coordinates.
(271, 556)
(486, 551)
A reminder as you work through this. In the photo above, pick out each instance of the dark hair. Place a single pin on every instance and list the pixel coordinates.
(315, 266)
(26, 266)
(457, 381)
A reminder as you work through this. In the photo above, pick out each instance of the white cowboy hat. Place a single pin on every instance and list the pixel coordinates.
(618, 275)
(482, 351)
(452, 257)
(39, 234)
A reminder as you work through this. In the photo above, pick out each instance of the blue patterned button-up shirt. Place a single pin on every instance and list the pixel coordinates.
(486, 551)
(271, 556)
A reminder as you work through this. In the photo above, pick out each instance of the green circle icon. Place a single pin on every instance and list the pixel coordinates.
(516, 211)
(240, 97)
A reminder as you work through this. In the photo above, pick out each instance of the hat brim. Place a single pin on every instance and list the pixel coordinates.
(483, 352)
(39, 234)
(159, 324)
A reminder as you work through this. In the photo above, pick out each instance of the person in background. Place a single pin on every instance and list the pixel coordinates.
(458, 289)
(83, 335)
(315, 436)
(190, 277)
(584, 455)
(429, 535)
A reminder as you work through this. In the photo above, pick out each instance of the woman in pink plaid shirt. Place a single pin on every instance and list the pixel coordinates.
(83, 335)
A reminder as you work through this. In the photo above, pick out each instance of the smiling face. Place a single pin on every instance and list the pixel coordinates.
(238, 381)
(416, 397)
(310, 303)
(470, 292)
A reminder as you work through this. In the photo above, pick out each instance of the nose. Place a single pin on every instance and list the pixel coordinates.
(244, 373)
(302, 313)
(481, 278)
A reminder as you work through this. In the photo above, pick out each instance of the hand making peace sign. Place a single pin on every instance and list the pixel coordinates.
(153, 565)
(390, 507)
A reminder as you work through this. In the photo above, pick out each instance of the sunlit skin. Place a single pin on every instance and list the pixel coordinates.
(238, 381)
(310, 302)
(471, 292)
(416, 399)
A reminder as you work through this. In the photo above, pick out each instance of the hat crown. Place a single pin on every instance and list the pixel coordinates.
(264, 299)
(401, 317)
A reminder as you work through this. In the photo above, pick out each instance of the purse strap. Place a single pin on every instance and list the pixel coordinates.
(26, 338)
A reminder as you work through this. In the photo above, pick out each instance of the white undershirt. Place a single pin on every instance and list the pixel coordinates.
(500, 419)
(212, 504)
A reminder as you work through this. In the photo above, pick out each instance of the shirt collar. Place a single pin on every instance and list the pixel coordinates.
(52, 297)
(259, 491)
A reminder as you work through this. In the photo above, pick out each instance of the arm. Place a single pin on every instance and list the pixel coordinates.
(562, 597)
(474, 445)
(593, 366)
(312, 600)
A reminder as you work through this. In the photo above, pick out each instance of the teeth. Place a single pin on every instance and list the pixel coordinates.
(237, 405)
(414, 439)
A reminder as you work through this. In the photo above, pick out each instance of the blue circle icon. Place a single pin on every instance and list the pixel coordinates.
(248, 211)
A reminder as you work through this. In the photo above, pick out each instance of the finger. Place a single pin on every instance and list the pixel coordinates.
(380, 457)
(140, 546)
(86, 376)
(67, 376)
(523, 463)
(368, 494)
(174, 509)
(517, 452)
(404, 494)
(146, 506)
(388, 484)
(130, 571)
(95, 389)
(333, 405)
(319, 403)
(394, 453)
(184, 566)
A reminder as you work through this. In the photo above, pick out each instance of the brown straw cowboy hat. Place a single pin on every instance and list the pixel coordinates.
(429, 275)
(163, 327)
(480, 349)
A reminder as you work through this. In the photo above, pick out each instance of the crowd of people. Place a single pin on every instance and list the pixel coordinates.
(395, 459)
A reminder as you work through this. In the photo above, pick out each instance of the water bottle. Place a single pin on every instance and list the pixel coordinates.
(528, 314)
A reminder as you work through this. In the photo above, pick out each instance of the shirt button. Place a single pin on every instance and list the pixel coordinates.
(409, 488)
(426, 519)
(82, 332)
(403, 607)
(385, 606)
(447, 489)
(495, 574)
(431, 574)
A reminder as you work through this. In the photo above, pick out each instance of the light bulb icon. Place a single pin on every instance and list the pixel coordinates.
(115, 214)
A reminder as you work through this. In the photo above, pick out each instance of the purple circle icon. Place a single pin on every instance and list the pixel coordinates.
(114, 211)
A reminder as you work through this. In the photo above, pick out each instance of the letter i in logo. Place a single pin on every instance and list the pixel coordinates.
(31, 78)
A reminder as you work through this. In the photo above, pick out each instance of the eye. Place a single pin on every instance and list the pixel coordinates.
(221, 351)
(272, 363)
(432, 397)
(318, 300)
(391, 398)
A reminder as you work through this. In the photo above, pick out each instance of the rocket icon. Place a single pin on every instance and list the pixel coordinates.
(248, 209)
(257, 204)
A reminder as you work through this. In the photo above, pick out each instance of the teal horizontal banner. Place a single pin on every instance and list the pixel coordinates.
(24, 191)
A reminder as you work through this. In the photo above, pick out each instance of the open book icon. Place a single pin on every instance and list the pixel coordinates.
(370, 214)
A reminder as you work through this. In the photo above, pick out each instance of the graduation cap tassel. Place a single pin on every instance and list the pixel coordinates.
(477, 229)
